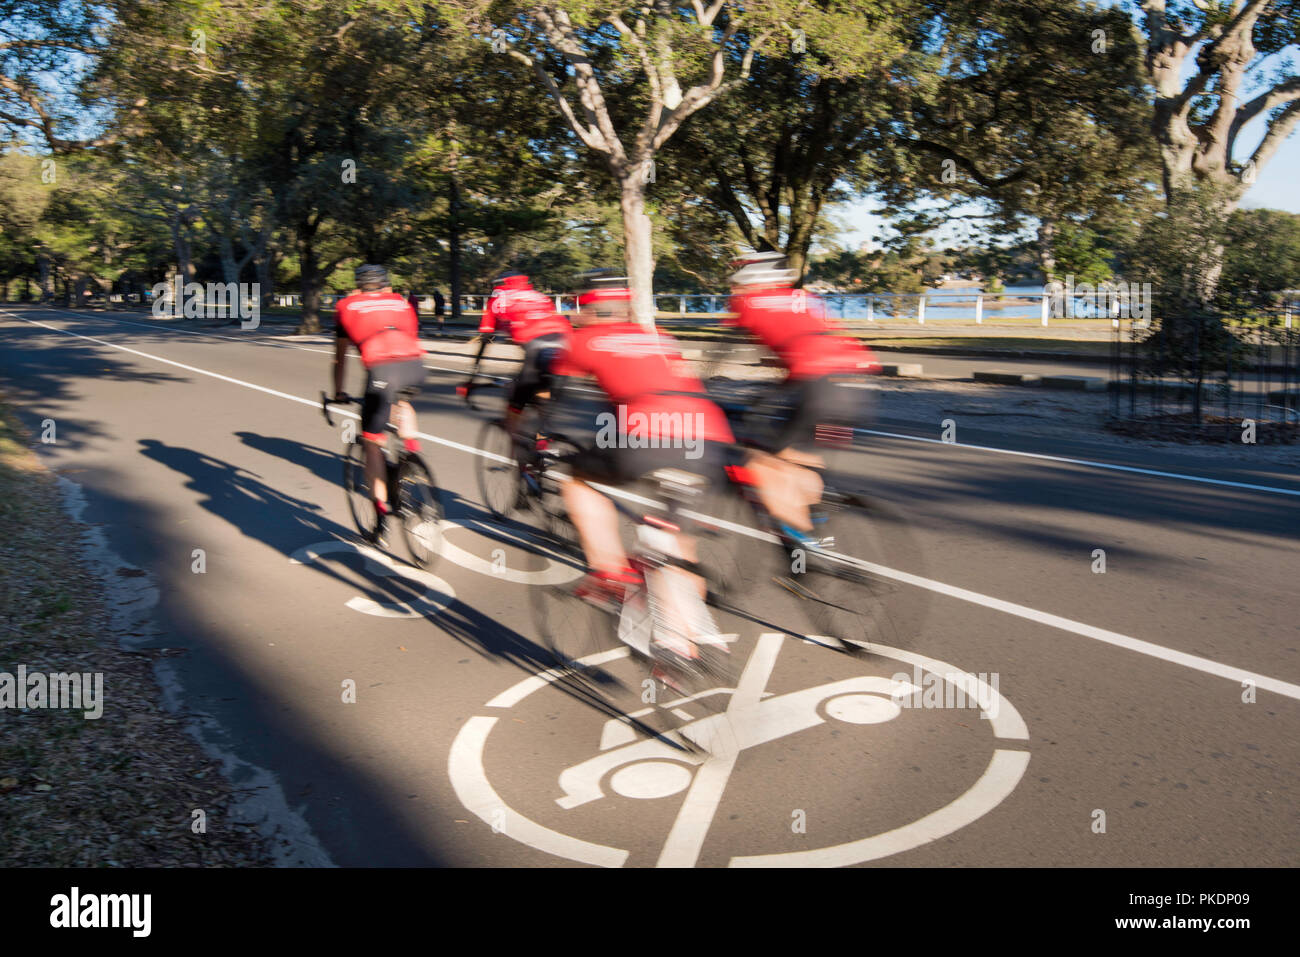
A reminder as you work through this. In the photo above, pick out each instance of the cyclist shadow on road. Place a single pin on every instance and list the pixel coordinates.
(279, 520)
(291, 525)
(325, 465)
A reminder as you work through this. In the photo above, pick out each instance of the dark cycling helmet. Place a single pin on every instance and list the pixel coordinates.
(606, 292)
(762, 269)
(511, 280)
(370, 276)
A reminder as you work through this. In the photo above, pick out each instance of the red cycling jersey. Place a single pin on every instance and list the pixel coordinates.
(524, 311)
(792, 324)
(646, 375)
(382, 325)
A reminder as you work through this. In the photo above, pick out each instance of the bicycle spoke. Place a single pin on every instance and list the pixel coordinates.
(420, 511)
(498, 480)
(360, 500)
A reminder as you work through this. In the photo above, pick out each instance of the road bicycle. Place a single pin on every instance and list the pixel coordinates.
(845, 604)
(513, 470)
(413, 497)
(587, 639)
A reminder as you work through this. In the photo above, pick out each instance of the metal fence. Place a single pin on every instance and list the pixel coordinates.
(1203, 378)
(1019, 307)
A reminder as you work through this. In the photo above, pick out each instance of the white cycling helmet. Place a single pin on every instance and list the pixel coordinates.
(762, 269)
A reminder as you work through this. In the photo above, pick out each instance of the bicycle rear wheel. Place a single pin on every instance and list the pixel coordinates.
(419, 507)
(499, 481)
(360, 499)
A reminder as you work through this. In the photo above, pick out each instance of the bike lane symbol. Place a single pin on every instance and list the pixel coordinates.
(650, 768)
(433, 594)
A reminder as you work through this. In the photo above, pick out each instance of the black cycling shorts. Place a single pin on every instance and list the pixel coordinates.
(384, 384)
(535, 376)
(833, 402)
(623, 466)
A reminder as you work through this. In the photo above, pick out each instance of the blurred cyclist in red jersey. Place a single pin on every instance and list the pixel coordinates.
(383, 327)
(532, 322)
(822, 363)
(662, 418)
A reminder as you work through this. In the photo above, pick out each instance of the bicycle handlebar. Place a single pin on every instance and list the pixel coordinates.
(326, 402)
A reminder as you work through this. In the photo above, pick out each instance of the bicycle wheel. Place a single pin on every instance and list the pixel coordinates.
(499, 481)
(419, 507)
(841, 599)
(584, 645)
(547, 500)
(360, 501)
(718, 543)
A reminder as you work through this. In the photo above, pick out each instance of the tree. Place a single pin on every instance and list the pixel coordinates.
(1261, 258)
(625, 78)
(46, 49)
(1041, 121)
(801, 132)
(1200, 56)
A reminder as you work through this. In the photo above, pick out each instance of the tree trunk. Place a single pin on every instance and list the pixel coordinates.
(81, 292)
(47, 280)
(181, 246)
(310, 284)
(803, 220)
(638, 252)
(453, 245)
(229, 265)
(1047, 248)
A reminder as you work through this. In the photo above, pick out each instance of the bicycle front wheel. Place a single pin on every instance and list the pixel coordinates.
(360, 500)
(499, 481)
(420, 511)
(549, 501)
(840, 598)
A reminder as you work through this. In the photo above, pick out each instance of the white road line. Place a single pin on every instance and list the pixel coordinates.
(254, 340)
(1194, 662)
(1086, 462)
(686, 839)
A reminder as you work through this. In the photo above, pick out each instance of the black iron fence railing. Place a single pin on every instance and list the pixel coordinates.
(1206, 378)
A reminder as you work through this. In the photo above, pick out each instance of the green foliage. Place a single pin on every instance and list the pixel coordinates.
(1080, 253)
(1261, 258)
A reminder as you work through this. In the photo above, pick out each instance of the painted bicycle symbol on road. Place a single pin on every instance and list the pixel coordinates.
(633, 767)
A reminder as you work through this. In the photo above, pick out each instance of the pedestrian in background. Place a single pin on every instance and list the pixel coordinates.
(439, 309)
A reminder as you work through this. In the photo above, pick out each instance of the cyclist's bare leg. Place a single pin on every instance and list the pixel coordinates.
(404, 418)
(788, 485)
(596, 520)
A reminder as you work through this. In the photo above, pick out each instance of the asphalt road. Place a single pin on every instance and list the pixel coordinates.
(1143, 716)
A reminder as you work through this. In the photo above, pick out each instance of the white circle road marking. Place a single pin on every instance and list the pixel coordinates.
(553, 574)
(1000, 778)
(862, 709)
(651, 779)
(437, 594)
